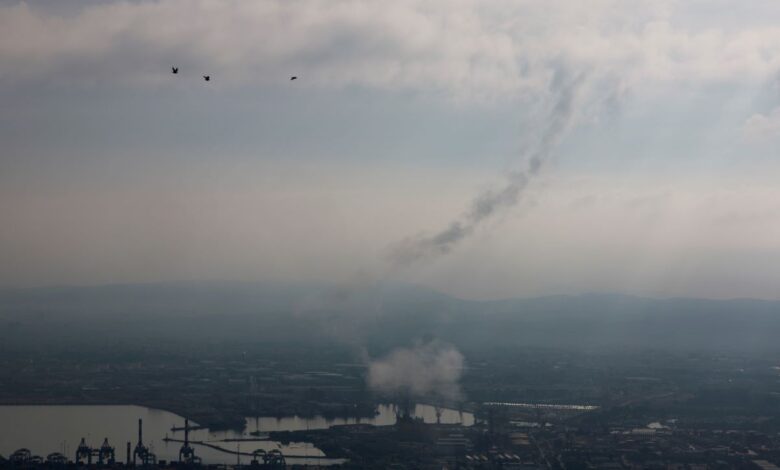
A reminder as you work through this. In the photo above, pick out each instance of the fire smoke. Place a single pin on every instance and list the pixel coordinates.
(563, 88)
(432, 369)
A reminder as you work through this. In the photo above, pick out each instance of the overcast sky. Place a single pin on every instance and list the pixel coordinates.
(660, 179)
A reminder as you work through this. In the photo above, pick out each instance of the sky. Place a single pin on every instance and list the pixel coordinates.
(486, 149)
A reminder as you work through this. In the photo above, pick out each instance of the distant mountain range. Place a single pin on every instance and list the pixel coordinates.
(383, 316)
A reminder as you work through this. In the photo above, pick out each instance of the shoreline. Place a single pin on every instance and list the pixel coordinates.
(210, 421)
(194, 419)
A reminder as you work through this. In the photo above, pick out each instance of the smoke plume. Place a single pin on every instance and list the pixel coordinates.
(563, 89)
(432, 369)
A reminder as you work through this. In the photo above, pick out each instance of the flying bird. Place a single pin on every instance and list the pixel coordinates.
(207, 77)
(293, 78)
(175, 69)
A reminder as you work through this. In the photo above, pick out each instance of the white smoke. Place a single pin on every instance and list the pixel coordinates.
(432, 369)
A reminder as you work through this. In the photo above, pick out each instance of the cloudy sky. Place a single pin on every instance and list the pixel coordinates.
(503, 148)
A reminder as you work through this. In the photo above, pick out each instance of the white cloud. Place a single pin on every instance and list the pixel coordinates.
(464, 48)
(761, 126)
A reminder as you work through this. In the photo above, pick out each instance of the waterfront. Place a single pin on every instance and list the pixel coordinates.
(386, 416)
(59, 428)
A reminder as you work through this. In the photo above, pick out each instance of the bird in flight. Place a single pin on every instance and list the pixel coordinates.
(207, 77)
(174, 69)
(293, 78)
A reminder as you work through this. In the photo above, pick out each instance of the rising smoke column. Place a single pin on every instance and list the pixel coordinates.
(434, 369)
(563, 87)
(430, 369)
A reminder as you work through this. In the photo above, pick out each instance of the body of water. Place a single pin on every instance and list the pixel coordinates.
(386, 416)
(45, 429)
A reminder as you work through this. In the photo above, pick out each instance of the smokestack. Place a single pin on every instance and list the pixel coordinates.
(186, 432)
(127, 462)
(140, 431)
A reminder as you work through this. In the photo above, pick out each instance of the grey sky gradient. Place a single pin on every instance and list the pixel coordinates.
(662, 182)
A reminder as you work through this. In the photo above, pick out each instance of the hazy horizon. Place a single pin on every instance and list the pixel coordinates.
(324, 287)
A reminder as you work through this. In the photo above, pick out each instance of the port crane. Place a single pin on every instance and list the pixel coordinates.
(141, 452)
(187, 453)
